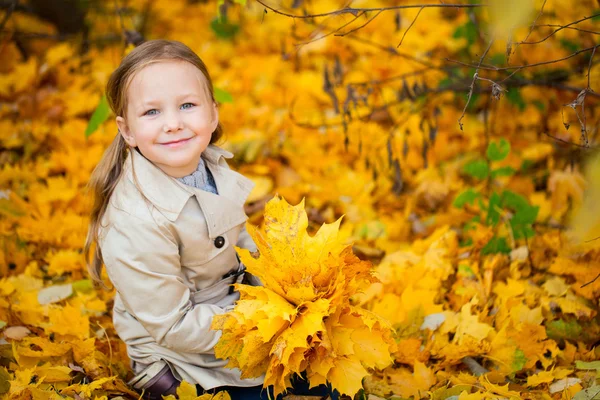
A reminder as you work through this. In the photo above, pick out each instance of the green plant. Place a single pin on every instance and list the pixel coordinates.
(497, 206)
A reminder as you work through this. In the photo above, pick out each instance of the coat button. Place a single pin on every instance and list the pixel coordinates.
(219, 242)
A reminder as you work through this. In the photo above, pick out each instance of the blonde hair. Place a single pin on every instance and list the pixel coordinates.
(107, 173)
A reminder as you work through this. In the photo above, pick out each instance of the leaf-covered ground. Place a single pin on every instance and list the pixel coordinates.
(489, 286)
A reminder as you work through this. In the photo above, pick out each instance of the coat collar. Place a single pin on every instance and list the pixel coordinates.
(169, 196)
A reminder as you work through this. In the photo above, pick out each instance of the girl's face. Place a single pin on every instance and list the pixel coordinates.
(170, 116)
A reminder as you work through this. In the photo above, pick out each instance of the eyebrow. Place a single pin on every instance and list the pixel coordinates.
(152, 102)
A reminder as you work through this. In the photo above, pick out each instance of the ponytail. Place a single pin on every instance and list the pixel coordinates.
(102, 183)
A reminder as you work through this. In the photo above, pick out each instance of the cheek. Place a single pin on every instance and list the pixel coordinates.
(148, 130)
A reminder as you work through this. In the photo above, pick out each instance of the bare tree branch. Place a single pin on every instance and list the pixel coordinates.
(360, 27)
(410, 26)
(355, 11)
(475, 76)
(391, 50)
(519, 67)
(590, 69)
(566, 142)
(332, 32)
(534, 22)
(561, 27)
(572, 28)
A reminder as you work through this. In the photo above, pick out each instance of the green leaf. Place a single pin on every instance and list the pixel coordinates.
(514, 97)
(467, 31)
(497, 59)
(569, 45)
(498, 151)
(465, 270)
(222, 96)
(503, 171)
(4, 381)
(83, 286)
(526, 231)
(496, 245)
(224, 29)
(524, 214)
(587, 364)
(370, 230)
(444, 83)
(466, 243)
(468, 196)
(597, 15)
(2, 324)
(101, 114)
(477, 169)
(514, 200)
(560, 329)
(539, 105)
(519, 361)
(472, 223)
(493, 213)
(526, 164)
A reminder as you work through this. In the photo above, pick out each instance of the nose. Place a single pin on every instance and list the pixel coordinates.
(172, 122)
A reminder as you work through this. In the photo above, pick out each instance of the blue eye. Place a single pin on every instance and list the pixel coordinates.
(151, 112)
(186, 106)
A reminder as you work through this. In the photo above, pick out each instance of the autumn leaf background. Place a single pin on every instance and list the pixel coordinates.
(470, 184)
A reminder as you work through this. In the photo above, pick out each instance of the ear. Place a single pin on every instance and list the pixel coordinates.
(215, 114)
(125, 132)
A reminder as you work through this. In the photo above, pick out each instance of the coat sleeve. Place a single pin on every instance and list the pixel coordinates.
(143, 264)
(245, 241)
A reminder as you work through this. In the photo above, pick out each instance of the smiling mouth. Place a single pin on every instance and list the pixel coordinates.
(175, 142)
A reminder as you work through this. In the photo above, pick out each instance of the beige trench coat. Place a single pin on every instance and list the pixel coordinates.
(166, 247)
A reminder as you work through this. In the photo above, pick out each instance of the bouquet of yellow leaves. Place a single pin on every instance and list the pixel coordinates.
(302, 320)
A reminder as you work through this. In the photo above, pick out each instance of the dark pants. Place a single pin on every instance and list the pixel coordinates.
(299, 388)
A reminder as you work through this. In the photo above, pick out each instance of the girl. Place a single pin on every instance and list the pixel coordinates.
(167, 214)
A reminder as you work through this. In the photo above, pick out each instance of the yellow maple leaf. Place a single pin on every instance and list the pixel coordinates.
(547, 376)
(415, 384)
(187, 391)
(28, 347)
(57, 373)
(303, 312)
(23, 380)
(469, 325)
(67, 320)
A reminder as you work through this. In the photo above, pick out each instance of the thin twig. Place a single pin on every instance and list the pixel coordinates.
(354, 11)
(360, 27)
(590, 68)
(590, 282)
(570, 27)
(534, 21)
(519, 67)
(566, 142)
(410, 26)
(391, 50)
(475, 76)
(561, 27)
(332, 32)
